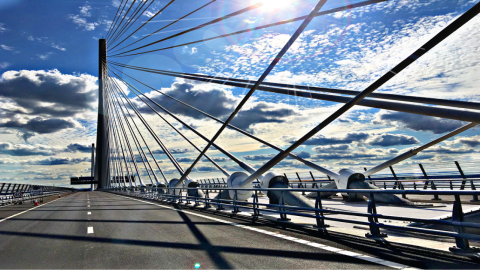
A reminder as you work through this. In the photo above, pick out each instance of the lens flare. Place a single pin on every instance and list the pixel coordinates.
(270, 5)
(197, 265)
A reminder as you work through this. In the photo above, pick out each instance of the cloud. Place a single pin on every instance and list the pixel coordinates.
(331, 148)
(262, 112)
(173, 151)
(303, 154)
(82, 22)
(75, 147)
(40, 125)
(27, 150)
(259, 157)
(439, 149)
(343, 156)
(48, 93)
(85, 11)
(218, 159)
(206, 169)
(55, 46)
(392, 139)
(217, 102)
(349, 138)
(26, 135)
(473, 141)
(185, 160)
(422, 157)
(7, 48)
(149, 13)
(46, 41)
(3, 28)
(4, 65)
(418, 122)
(58, 161)
(44, 56)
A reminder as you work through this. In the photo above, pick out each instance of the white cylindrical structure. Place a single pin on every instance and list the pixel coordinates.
(234, 181)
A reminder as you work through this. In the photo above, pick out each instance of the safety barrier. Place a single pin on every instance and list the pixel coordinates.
(180, 196)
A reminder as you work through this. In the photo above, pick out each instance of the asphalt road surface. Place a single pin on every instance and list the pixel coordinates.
(102, 230)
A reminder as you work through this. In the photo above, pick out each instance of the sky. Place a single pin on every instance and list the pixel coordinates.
(49, 86)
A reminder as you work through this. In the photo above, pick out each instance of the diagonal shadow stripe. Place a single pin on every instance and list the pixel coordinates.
(318, 255)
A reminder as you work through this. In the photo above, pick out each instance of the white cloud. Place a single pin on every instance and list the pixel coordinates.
(7, 48)
(85, 11)
(44, 56)
(149, 13)
(4, 65)
(55, 46)
(82, 22)
(3, 28)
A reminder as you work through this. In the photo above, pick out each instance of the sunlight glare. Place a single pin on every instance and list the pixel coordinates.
(270, 5)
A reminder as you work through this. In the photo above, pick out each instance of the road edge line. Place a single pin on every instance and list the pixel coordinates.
(293, 239)
(17, 214)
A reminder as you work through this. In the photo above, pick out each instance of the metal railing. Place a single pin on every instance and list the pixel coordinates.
(180, 196)
(19, 193)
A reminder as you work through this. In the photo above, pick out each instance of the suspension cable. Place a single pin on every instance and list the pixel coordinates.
(114, 20)
(132, 20)
(124, 16)
(330, 11)
(131, 117)
(252, 7)
(306, 162)
(137, 143)
(181, 18)
(173, 127)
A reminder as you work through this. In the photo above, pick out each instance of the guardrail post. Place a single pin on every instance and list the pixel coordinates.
(180, 199)
(475, 197)
(397, 183)
(374, 230)
(283, 216)
(462, 187)
(314, 185)
(301, 184)
(435, 196)
(235, 208)
(462, 245)
(219, 206)
(207, 199)
(256, 212)
(318, 214)
(195, 202)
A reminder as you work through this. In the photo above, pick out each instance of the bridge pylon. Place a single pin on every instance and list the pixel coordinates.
(102, 152)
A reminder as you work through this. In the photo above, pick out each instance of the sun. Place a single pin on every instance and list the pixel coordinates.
(269, 5)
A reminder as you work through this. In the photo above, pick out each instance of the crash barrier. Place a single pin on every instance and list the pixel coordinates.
(19, 193)
(462, 245)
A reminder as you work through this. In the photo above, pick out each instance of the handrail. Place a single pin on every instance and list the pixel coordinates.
(174, 195)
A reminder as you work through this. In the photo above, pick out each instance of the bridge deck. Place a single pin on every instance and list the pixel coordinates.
(128, 233)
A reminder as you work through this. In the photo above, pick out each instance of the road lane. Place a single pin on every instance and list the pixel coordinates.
(127, 233)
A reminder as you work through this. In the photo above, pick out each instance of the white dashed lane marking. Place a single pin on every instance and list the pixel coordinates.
(90, 230)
